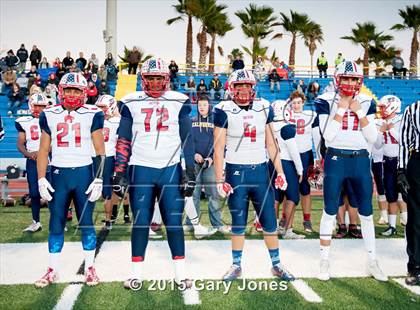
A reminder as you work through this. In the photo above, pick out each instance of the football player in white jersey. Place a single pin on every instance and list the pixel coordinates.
(108, 105)
(28, 145)
(243, 126)
(346, 120)
(307, 134)
(291, 163)
(69, 129)
(154, 128)
(389, 106)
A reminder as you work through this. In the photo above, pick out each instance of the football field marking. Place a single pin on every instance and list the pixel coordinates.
(68, 297)
(306, 291)
(414, 289)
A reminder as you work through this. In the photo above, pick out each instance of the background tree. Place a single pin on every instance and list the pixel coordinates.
(312, 34)
(381, 56)
(219, 26)
(411, 20)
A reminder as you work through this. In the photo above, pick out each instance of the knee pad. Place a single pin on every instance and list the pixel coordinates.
(55, 242)
(88, 239)
(326, 226)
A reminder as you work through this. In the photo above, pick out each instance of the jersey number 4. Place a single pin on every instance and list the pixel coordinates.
(162, 115)
(250, 132)
(63, 131)
(345, 123)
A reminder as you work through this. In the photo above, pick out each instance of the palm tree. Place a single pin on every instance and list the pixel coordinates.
(295, 24)
(257, 24)
(186, 8)
(218, 26)
(381, 56)
(366, 35)
(256, 50)
(411, 20)
(235, 52)
(312, 34)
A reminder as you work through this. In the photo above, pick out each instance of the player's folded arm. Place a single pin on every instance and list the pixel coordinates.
(370, 132)
(125, 135)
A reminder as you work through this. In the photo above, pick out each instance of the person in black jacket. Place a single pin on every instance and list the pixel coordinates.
(68, 61)
(202, 88)
(35, 56)
(81, 62)
(173, 68)
(11, 60)
(238, 63)
(216, 88)
(103, 88)
(16, 98)
(23, 56)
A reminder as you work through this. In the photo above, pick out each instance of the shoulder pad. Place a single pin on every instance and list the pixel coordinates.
(23, 119)
(328, 96)
(174, 95)
(138, 95)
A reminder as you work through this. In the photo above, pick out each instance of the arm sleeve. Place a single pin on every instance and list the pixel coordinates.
(123, 147)
(98, 121)
(43, 124)
(18, 127)
(288, 133)
(270, 116)
(370, 132)
(185, 133)
(220, 118)
(405, 137)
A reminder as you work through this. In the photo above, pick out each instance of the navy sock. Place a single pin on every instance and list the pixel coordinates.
(237, 257)
(274, 256)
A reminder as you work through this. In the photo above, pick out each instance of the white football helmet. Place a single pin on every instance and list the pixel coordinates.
(108, 104)
(36, 103)
(282, 110)
(73, 80)
(348, 69)
(242, 76)
(155, 67)
(389, 104)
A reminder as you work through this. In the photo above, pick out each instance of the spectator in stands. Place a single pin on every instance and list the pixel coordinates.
(16, 98)
(102, 73)
(51, 93)
(9, 78)
(398, 65)
(35, 56)
(53, 79)
(173, 68)
(44, 63)
(313, 92)
(56, 62)
(23, 55)
(202, 88)
(216, 88)
(81, 62)
(94, 60)
(11, 60)
(111, 73)
(38, 80)
(322, 64)
(92, 67)
(260, 71)
(31, 75)
(22, 81)
(109, 61)
(274, 79)
(329, 88)
(133, 60)
(92, 93)
(68, 61)
(61, 70)
(86, 74)
(35, 89)
(94, 78)
(339, 59)
(74, 68)
(103, 88)
(238, 63)
(202, 133)
(190, 88)
(300, 86)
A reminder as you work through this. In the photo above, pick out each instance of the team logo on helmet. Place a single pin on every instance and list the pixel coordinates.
(388, 105)
(348, 69)
(107, 104)
(282, 110)
(315, 177)
(155, 67)
(76, 81)
(36, 103)
(245, 95)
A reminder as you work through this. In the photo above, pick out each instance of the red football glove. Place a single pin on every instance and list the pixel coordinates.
(280, 182)
(224, 189)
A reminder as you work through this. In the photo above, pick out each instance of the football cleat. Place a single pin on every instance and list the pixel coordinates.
(108, 225)
(354, 232)
(224, 229)
(282, 273)
(153, 235)
(187, 228)
(324, 270)
(34, 227)
(258, 227)
(127, 219)
(50, 277)
(375, 271)
(382, 221)
(156, 226)
(342, 231)
(233, 273)
(390, 231)
(91, 278)
(201, 231)
(291, 235)
(413, 278)
(307, 226)
(281, 227)
(189, 292)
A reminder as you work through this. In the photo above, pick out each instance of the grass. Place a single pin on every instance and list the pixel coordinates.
(14, 219)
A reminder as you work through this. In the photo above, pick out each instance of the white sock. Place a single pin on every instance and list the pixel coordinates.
(392, 219)
(137, 270)
(347, 218)
(403, 216)
(384, 213)
(326, 226)
(179, 265)
(325, 252)
(190, 211)
(89, 258)
(54, 260)
(400, 197)
(368, 233)
(381, 198)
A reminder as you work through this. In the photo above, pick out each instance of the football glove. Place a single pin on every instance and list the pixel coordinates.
(119, 184)
(280, 182)
(188, 182)
(224, 189)
(403, 184)
(45, 188)
(95, 189)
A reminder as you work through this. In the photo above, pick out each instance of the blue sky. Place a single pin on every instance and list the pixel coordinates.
(61, 25)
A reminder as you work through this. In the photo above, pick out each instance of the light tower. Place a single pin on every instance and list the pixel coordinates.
(110, 33)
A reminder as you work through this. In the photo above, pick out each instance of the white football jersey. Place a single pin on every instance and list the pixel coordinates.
(307, 126)
(286, 139)
(245, 134)
(71, 134)
(30, 126)
(389, 138)
(110, 136)
(156, 140)
(349, 136)
(377, 151)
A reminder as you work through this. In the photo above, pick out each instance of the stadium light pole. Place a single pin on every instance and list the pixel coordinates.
(110, 33)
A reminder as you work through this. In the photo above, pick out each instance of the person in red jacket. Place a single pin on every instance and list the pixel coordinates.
(92, 93)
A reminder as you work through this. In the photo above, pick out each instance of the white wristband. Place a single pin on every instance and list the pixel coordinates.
(360, 114)
(341, 112)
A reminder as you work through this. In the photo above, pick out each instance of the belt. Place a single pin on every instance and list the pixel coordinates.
(347, 153)
(240, 166)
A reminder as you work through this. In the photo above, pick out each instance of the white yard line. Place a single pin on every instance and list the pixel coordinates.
(306, 291)
(414, 289)
(69, 297)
